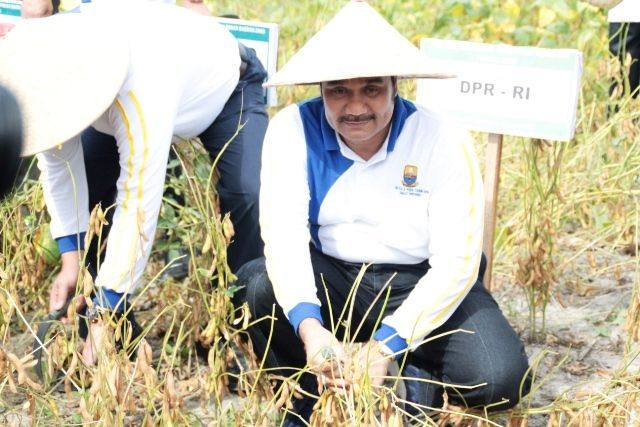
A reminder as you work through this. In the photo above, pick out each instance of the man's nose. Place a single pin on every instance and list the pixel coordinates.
(356, 105)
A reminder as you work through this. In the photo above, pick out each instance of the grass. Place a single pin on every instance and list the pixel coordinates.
(598, 193)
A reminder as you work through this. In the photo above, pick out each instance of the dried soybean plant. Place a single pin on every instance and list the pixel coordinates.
(536, 272)
(360, 402)
(212, 322)
(26, 253)
(614, 403)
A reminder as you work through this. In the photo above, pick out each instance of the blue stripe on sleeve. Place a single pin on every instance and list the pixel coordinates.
(107, 298)
(70, 243)
(390, 337)
(303, 311)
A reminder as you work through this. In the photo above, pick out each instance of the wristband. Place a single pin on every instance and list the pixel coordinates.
(385, 351)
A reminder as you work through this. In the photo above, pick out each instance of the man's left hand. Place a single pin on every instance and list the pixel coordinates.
(325, 354)
(372, 360)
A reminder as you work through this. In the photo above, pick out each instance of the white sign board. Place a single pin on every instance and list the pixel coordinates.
(10, 10)
(521, 91)
(263, 38)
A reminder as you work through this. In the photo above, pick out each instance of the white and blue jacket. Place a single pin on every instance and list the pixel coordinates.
(420, 197)
(174, 87)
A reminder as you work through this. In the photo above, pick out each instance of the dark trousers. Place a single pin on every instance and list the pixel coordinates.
(624, 38)
(493, 354)
(239, 165)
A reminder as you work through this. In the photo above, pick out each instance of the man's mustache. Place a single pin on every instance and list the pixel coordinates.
(356, 118)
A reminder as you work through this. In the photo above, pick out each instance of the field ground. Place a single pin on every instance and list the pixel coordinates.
(585, 344)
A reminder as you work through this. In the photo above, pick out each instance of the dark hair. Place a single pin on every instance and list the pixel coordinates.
(10, 140)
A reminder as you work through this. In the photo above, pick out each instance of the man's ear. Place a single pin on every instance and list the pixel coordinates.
(394, 83)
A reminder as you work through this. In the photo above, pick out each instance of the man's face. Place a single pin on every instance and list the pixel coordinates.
(360, 110)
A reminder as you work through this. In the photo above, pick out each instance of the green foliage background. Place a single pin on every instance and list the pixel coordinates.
(541, 23)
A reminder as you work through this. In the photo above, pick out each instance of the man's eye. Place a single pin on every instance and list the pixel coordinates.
(371, 90)
(338, 91)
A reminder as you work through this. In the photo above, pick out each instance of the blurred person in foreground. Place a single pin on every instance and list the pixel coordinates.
(139, 86)
(10, 140)
(361, 179)
(42, 8)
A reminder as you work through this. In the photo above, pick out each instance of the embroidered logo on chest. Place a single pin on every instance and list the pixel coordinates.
(410, 184)
(410, 176)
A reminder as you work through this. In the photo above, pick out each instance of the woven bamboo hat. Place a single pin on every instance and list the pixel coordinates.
(65, 71)
(357, 42)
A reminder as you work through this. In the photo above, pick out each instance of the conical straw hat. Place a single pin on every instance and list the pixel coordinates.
(357, 42)
(65, 71)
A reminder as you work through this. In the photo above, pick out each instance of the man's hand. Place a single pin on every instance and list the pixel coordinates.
(325, 355)
(64, 285)
(372, 361)
(93, 343)
(36, 8)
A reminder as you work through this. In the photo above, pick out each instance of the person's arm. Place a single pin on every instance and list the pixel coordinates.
(455, 223)
(143, 128)
(65, 190)
(284, 217)
(64, 183)
(284, 222)
(65, 282)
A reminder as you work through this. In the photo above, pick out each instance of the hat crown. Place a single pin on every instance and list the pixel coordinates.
(65, 70)
(357, 42)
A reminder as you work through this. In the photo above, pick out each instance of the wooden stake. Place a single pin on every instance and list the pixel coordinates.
(491, 183)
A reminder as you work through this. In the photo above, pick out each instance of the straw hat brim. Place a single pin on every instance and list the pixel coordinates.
(357, 42)
(65, 71)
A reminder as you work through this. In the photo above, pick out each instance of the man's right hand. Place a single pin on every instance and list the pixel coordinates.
(325, 354)
(64, 285)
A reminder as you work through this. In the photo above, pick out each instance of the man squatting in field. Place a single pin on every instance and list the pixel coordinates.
(362, 178)
(142, 84)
